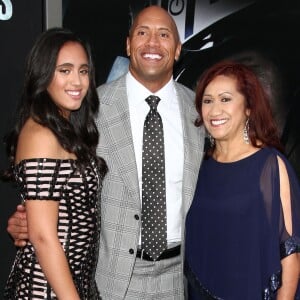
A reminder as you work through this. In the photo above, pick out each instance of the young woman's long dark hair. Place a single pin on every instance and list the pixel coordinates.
(78, 134)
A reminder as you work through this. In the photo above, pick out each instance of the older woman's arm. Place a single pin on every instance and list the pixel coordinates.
(291, 263)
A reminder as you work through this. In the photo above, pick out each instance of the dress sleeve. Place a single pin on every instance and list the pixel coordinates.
(43, 178)
(291, 243)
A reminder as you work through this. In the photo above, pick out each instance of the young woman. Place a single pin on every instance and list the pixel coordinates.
(52, 150)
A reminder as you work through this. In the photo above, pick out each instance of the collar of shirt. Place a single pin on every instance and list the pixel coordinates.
(137, 93)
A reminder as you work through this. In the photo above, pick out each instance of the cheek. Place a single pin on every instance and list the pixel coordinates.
(51, 90)
(206, 123)
(86, 82)
(56, 84)
(134, 45)
(56, 88)
(204, 111)
(171, 52)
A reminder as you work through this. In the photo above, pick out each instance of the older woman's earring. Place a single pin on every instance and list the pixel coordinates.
(211, 140)
(246, 132)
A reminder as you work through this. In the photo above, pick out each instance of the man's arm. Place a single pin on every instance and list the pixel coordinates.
(17, 226)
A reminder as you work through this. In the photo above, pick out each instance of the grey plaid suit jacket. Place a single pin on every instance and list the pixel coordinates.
(120, 201)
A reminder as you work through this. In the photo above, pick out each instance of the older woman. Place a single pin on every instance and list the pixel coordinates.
(243, 228)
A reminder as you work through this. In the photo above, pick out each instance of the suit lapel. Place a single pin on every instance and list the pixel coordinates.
(116, 143)
(193, 139)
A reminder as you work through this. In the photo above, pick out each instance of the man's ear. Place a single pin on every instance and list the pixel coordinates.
(128, 46)
(177, 51)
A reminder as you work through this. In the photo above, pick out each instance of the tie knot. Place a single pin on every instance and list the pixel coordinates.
(153, 101)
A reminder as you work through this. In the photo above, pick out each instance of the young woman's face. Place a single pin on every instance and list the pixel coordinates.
(224, 109)
(70, 81)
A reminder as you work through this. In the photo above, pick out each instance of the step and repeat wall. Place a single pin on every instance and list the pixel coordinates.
(20, 23)
(263, 34)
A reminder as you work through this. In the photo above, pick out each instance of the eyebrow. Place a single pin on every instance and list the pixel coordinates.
(71, 65)
(220, 94)
(148, 27)
(224, 93)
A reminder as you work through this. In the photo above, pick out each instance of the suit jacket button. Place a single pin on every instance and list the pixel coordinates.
(136, 217)
(131, 251)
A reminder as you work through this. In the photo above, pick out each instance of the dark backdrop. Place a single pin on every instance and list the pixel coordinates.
(104, 24)
(261, 33)
(20, 23)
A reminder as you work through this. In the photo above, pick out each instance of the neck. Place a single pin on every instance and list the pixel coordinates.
(152, 83)
(230, 152)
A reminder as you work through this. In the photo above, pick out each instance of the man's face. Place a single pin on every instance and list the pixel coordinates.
(153, 46)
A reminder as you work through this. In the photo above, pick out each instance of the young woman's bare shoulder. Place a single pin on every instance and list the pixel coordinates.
(37, 141)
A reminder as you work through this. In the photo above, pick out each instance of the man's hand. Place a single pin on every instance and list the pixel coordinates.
(17, 226)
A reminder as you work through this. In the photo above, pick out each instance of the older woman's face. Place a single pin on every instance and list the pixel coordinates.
(224, 109)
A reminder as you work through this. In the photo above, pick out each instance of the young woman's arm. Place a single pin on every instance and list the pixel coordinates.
(290, 264)
(42, 224)
(36, 141)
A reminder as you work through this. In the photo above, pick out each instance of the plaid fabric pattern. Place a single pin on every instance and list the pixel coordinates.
(120, 200)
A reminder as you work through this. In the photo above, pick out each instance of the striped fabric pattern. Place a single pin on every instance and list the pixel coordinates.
(78, 226)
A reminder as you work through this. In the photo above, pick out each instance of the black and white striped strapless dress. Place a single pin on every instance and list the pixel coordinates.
(78, 226)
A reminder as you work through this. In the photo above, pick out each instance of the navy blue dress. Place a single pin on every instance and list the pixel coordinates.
(235, 232)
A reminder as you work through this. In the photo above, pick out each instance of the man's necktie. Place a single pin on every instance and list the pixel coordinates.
(154, 220)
